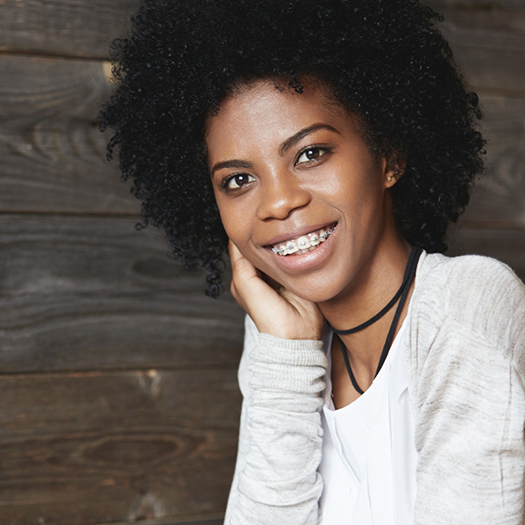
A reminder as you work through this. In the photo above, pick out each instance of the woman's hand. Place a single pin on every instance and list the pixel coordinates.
(275, 312)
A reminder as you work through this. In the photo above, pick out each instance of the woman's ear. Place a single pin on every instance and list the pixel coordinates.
(394, 170)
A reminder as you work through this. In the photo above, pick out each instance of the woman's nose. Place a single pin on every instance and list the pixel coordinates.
(281, 195)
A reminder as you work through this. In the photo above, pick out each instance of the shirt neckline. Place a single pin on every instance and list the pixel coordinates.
(328, 401)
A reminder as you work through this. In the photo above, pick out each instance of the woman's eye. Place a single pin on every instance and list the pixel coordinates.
(310, 154)
(237, 181)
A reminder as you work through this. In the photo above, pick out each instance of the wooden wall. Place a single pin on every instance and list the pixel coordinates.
(118, 390)
(488, 38)
(119, 397)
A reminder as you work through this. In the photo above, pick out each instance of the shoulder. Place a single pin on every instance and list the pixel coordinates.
(474, 289)
(468, 272)
(477, 301)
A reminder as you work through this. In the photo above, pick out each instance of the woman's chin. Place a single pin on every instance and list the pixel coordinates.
(314, 293)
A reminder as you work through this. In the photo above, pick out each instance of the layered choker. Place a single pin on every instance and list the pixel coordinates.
(410, 272)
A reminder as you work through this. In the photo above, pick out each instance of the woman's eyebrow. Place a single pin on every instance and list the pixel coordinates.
(231, 164)
(294, 139)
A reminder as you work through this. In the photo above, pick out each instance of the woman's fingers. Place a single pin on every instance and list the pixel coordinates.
(247, 286)
(309, 321)
(239, 262)
(277, 311)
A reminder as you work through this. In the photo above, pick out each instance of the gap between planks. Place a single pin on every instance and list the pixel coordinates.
(199, 521)
(97, 372)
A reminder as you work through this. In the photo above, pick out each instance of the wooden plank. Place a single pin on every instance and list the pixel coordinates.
(490, 48)
(53, 156)
(492, 6)
(498, 199)
(89, 293)
(507, 246)
(64, 27)
(171, 522)
(95, 447)
(84, 29)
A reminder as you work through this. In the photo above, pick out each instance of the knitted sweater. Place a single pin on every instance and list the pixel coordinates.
(465, 363)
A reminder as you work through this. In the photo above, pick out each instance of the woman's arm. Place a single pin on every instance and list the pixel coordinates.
(281, 378)
(276, 479)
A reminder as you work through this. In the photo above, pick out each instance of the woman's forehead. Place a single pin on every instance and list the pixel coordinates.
(263, 121)
(273, 100)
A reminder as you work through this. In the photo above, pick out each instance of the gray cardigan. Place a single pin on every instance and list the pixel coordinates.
(465, 363)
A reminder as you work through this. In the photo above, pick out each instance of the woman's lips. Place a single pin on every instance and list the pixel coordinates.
(303, 243)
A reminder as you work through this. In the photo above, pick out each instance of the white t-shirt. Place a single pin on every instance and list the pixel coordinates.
(369, 456)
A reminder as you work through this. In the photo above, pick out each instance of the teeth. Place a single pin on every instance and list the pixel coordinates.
(291, 247)
(303, 244)
(314, 239)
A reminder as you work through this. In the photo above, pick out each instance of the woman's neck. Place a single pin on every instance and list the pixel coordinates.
(375, 286)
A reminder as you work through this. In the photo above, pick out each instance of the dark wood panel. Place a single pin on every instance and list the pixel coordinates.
(88, 293)
(499, 196)
(52, 154)
(94, 447)
(490, 48)
(506, 245)
(491, 6)
(79, 28)
(172, 522)
(85, 29)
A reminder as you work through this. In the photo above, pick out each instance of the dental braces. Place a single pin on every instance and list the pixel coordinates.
(303, 243)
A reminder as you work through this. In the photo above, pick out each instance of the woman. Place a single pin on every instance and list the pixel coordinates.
(330, 144)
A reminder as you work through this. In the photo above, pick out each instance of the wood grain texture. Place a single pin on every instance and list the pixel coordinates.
(53, 157)
(77, 28)
(489, 47)
(507, 246)
(498, 199)
(93, 293)
(94, 447)
(80, 28)
(52, 154)
(490, 6)
(173, 522)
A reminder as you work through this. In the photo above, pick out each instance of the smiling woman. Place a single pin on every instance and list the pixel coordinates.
(272, 198)
(329, 144)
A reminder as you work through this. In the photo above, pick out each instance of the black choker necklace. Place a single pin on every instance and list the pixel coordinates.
(410, 272)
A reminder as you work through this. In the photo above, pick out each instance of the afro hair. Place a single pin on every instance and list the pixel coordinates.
(383, 60)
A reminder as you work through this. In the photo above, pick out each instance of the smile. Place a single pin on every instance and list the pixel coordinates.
(304, 243)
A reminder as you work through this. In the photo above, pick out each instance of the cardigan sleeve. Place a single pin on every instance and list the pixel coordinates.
(465, 358)
(280, 442)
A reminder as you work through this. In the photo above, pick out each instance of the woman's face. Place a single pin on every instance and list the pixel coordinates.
(287, 169)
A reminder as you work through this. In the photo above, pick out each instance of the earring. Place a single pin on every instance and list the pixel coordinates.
(394, 176)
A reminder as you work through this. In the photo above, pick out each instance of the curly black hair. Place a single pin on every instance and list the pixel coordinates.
(383, 60)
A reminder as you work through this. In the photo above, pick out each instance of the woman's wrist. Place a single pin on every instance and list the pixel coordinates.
(288, 365)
